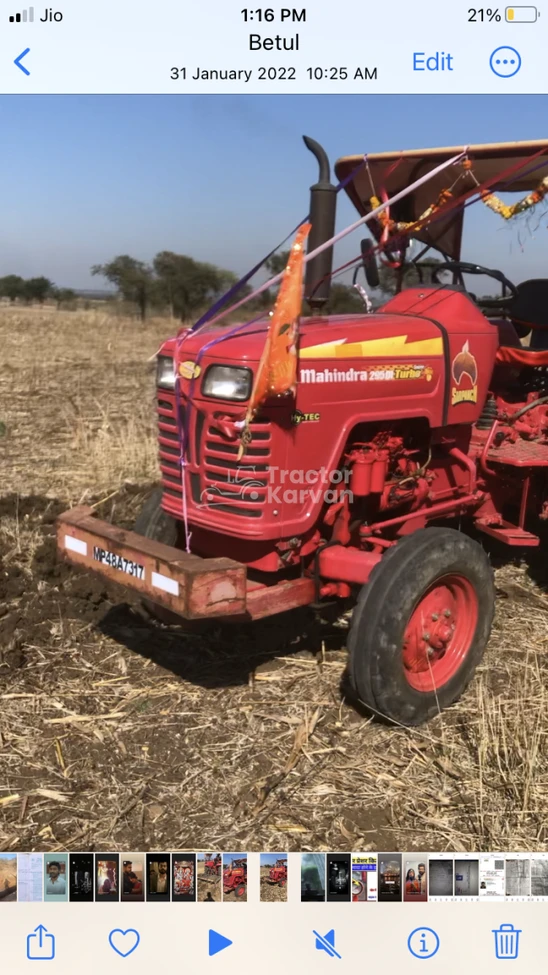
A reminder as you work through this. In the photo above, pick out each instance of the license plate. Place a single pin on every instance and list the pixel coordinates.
(118, 562)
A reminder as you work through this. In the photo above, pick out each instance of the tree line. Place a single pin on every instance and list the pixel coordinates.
(187, 287)
(34, 289)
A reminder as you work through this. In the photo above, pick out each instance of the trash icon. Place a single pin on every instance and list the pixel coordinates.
(507, 941)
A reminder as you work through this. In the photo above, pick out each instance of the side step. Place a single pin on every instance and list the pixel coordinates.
(510, 534)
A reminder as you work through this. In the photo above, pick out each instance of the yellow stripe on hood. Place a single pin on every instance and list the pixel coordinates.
(391, 345)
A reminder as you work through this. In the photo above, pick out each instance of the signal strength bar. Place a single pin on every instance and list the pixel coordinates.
(26, 16)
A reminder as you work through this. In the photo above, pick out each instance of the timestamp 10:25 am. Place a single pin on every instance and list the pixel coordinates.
(274, 74)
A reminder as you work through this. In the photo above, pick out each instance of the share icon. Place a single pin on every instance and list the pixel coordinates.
(326, 943)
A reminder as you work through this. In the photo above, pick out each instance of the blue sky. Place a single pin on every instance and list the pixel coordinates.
(270, 858)
(224, 179)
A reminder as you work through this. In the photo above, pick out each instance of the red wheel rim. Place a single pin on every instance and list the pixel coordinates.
(439, 633)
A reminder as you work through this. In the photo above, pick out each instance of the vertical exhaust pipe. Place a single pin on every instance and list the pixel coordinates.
(323, 205)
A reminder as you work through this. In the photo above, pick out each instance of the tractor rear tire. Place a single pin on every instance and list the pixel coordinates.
(421, 625)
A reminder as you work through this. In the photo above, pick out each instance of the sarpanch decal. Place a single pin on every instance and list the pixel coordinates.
(464, 366)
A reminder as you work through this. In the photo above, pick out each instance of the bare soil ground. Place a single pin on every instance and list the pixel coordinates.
(119, 733)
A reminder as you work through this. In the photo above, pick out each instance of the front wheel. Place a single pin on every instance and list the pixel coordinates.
(421, 625)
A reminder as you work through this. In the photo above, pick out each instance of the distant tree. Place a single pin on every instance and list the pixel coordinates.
(134, 280)
(344, 300)
(277, 263)
(38, 289)
(11, 287)
(64, 296)
(188, 286)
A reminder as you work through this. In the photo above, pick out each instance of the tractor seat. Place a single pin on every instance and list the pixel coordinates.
(528, 309)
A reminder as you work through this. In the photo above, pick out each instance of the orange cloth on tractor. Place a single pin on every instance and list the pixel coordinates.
(277, 370)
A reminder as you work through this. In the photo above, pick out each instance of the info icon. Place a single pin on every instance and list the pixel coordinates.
(423, 942)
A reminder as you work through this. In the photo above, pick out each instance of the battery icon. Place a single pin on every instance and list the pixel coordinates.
(521, 15)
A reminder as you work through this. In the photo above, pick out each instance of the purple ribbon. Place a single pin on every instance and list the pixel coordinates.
(247, 277)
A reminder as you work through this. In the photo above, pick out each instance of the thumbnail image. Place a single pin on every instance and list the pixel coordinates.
(539, 877)
(133, 877)
(158, 879)
(441, 876)
(338, 877)
(184, 876)
(30, 877)
(491, 876)
(81, 877)
(107, 881)
(209, 871)
(466, 878)
(312, 876)
(235, 877)
(364, 878)
(415, 888)
(389, 877)
(273, 872)
(55, 877)
(518, 878)
(8, 877)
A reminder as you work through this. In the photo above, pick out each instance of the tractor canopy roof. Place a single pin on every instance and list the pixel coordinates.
(393, 171)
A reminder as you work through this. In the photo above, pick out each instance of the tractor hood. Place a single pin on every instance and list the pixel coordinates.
(342, 330)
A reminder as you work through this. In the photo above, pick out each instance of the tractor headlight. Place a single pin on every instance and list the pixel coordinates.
(165, 372)
(227, 382)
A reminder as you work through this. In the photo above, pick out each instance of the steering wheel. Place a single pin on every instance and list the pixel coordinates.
(462, 267)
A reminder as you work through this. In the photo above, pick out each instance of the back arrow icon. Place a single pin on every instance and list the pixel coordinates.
(20, 58)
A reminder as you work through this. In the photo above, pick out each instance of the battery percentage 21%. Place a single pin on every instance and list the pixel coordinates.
(484, 15)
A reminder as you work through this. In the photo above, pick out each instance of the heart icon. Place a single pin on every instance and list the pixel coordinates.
(124, 942)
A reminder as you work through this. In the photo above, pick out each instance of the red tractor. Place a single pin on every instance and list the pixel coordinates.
(235, 877)
(416, 430)
(212, 865)
(278, 874)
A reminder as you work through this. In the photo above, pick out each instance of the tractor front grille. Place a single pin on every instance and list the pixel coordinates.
(217, 480)
(168, 440)
(230, 485)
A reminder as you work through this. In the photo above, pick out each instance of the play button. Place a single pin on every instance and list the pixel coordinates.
(217, 942)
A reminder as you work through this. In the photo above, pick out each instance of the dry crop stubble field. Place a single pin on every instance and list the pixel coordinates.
(117, 732)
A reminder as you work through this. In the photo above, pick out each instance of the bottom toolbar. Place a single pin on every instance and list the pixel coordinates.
(298, 938)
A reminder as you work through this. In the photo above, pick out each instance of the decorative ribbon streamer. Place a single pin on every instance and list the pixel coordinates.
(344, 233)
(207, 316)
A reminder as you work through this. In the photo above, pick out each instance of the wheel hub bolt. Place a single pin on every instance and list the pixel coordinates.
(447, 612)
(426, 637)
(435, 617)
